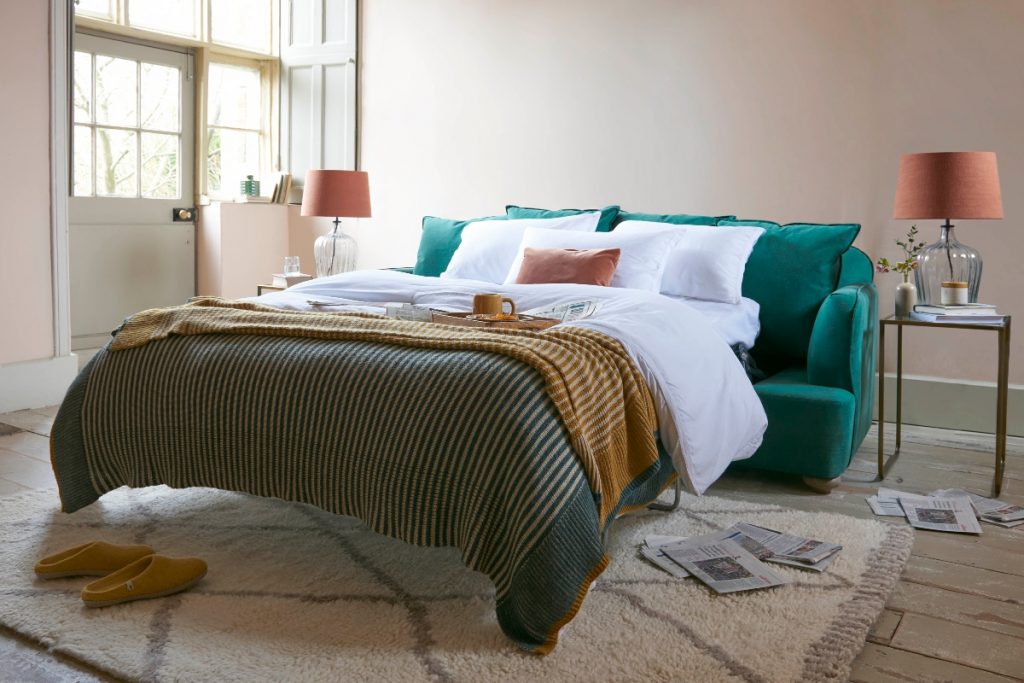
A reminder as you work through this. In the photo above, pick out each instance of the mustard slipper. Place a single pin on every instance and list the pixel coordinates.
(98, 558)
(149, 577)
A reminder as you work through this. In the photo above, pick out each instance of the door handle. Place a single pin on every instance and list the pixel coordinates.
(183, 215)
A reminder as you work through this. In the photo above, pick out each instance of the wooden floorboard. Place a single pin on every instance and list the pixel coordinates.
(956, 615)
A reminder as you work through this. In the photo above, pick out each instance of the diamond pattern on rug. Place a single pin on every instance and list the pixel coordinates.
(297, 594)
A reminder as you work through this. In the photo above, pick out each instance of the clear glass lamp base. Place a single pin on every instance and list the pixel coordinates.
(947, 260)
(335, 253)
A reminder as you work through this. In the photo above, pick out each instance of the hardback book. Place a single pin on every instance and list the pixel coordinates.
(982, 319)
(282, 280)
(250, 199)
(961, 309)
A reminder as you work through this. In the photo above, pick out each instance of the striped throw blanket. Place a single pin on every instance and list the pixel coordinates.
(517, 447)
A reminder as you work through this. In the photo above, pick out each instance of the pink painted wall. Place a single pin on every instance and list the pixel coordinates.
(240, 246)
(26, 308)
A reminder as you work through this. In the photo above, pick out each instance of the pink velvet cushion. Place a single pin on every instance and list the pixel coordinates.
(577, 266)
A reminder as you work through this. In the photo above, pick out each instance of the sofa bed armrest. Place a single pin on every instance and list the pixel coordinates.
(843, 348)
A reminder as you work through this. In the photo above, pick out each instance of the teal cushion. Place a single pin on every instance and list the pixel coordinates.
(439, 240)
(857, 268)
(604, 224)
(789, 273)
(671, 218)
(810, 428)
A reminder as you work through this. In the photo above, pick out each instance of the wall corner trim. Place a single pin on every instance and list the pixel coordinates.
(953, 404)
(36, 383)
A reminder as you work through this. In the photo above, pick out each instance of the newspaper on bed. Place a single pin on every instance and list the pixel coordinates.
(886, 502)
(988, 509)
(403, 311)
(941, 514)
(794, 551)
(723, 565)
(652, 551)
(566, 312)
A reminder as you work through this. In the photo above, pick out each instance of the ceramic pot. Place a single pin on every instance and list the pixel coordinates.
(906, 299)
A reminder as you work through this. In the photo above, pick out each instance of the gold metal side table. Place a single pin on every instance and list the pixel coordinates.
(1002, 331)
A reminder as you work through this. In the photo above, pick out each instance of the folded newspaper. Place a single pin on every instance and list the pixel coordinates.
(652, 551)
(566, 312)
(887, 502)
(988, 510)
(723, 565)
(941, 514)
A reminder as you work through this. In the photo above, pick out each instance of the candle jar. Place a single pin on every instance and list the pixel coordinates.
(954, 293)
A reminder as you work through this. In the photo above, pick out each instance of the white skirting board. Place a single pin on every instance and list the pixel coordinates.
(953, 404)
(36, 383)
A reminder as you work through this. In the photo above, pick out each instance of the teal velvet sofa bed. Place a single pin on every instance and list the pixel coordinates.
(817, 348)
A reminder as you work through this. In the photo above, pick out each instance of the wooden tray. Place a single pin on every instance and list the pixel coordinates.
(525, 322)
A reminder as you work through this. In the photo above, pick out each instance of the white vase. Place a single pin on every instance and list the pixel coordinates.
(906, 299)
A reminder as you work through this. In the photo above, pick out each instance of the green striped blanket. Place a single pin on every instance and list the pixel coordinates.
(434, 446)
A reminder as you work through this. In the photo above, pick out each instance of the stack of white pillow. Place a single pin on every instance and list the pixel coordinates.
(694, 261)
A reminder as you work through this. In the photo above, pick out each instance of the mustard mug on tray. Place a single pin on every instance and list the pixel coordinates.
(492, 304)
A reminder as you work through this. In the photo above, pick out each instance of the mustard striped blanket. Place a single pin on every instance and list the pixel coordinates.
(515, 447)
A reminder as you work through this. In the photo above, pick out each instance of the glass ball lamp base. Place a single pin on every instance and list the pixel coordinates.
(335, 253)
(944, 261)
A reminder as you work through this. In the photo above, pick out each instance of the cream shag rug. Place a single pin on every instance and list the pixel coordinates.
(296, 594)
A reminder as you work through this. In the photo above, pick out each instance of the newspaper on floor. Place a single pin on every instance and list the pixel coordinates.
(723, 565)
(886, 503)
(652, 551)
(941, 514)
(566, 312)
(794, 551)
(988, 509)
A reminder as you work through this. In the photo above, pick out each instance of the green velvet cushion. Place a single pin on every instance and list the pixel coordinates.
(810, 428)
(789, 273)
(857, 268)
(671, 218)
(439, 240)
(604, 224)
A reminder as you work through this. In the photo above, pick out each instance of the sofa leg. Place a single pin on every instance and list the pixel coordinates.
(822, 485)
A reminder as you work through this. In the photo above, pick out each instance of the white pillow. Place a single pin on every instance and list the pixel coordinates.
(488, 248)
(707, 262)
(642, 258)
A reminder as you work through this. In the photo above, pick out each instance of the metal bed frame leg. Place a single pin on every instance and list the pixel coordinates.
(669, 507)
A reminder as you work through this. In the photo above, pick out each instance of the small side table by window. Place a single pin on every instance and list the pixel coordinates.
(267, 288)
(1002, 331)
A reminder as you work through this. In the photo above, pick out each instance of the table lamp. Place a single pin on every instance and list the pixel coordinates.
(340, 194)
(945, 185)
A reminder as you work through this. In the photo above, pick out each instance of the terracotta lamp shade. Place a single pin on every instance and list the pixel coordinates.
(948, 185)
(338, 194)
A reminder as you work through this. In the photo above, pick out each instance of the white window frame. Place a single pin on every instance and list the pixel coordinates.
(207, 51)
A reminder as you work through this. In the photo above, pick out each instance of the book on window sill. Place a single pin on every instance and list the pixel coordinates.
(250, 199)
(957, 309)
(286, 281)
(986, 319)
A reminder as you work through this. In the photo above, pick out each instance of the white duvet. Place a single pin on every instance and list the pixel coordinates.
(708, 412)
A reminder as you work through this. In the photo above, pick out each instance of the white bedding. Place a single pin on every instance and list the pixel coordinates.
(708, 413)
(737, 323)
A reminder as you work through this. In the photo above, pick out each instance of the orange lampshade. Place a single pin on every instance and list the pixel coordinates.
(341, 194)
(948, 185)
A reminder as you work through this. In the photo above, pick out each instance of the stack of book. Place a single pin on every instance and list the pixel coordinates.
(286, 281)
(963, 313)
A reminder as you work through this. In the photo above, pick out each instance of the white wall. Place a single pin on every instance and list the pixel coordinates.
(781, 109)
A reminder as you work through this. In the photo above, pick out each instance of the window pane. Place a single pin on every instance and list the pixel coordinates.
(234, 96)
(245, 23)
(83, 87)
(160, 96)
(82, 151)
(231, 156)
(165, 16)
(115, 91)
(100, 9)
(160, 166)
(116, 156)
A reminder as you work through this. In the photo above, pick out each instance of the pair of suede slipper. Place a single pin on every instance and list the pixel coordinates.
(130, 572)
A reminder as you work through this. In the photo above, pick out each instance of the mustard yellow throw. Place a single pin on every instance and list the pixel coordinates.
(597, 389)
(98, 558)
(149, 577)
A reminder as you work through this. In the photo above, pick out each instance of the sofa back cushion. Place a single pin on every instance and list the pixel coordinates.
(608, 214)
(439, 239)
(790, 272)
(670, 218)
